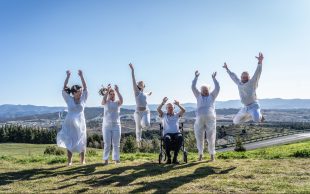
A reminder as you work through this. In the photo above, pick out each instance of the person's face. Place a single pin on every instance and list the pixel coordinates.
(112, 95)
(245, 77)
(141, 85)
(204, 91)
(170, 108)
(77, 94)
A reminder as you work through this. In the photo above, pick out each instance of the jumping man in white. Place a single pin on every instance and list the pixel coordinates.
(111, 126)
(205, 116)
(142, 113)
(247, 91)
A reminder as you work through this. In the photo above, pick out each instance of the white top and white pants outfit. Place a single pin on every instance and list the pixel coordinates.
(247, 92)
(72, 135)
(205, 118)
(142, 118)
(111, 130)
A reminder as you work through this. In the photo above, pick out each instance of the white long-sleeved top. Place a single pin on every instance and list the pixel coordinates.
(111, 114)
(205, 104)
(247, 91)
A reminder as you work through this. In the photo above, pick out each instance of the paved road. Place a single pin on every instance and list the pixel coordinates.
(271, 142)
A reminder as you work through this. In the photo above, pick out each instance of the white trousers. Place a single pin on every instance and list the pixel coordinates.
(111, 137)
(248, 113)
(205, 123)
(143, 121)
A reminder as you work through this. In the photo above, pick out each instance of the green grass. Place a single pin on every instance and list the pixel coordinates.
(24, 168)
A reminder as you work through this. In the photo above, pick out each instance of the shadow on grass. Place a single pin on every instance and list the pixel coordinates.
(96, 175)
(167, 185)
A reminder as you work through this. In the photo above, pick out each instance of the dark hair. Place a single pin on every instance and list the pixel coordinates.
(73, 89)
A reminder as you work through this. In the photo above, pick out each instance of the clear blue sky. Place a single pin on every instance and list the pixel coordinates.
(165, 40)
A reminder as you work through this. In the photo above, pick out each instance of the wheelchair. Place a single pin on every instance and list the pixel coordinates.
(163, 155)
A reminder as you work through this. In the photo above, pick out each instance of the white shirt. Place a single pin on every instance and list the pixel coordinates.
(247, 91)
(141, 100)
(111, 113)
(205, 104)
(170, 123)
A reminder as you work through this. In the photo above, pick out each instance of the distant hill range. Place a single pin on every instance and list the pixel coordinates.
(273, 103)
(23, 112)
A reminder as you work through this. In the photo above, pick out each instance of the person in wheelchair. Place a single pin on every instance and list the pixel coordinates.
(173, 138)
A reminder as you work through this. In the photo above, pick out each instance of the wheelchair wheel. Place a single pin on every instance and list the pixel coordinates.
(185, 156)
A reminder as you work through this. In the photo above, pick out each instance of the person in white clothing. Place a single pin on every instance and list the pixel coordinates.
(142, 113)
(111, 125)
(72, 135)
(247, 90)
(205, 116)
(173, 138)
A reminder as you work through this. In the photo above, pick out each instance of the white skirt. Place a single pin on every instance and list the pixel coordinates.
(72, 135)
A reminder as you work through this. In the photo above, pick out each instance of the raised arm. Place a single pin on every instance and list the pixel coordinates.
(105, 97)
(194, 83)
(160, 112)
(134, 82)
(82, 80)
(67, 80)
(120, 97)
(232, 75)
(182, 109)
(258, 71)
(216, 90)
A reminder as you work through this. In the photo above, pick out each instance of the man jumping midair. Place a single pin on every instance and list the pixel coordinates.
(247, 90)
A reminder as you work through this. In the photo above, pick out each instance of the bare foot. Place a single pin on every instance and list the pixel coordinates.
(212, 158)
(263, 119)
(138, 144)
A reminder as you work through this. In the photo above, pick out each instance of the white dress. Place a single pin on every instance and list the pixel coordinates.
(72, 135)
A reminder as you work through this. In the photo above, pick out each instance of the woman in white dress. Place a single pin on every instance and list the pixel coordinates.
(111, 125)
(72, 136)
(142, 113)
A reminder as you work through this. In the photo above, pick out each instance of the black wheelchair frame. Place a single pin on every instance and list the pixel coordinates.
(163, 155)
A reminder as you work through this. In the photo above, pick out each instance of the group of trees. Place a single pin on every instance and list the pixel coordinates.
(151, 139)
(24, 134)
(11, 133)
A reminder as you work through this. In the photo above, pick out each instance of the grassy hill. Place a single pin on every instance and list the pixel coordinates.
(280, 169)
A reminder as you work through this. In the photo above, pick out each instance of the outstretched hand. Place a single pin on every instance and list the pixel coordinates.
(225, 66)
(214, 75)
(176, 102)
(260, 58)
(197, 73)
(109, 88)
(116, 88)
(68, 73)
(131, 66)
(80, 73)
(165, 100)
